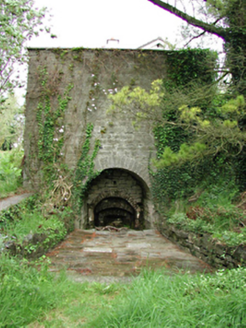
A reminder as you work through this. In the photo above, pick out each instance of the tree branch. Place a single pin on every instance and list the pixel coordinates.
(211, 28)
(198, 36)
(194, 37)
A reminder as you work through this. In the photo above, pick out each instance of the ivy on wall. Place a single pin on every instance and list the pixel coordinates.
(63, 186)
(185, 66)
(84, 172)
(51, 130)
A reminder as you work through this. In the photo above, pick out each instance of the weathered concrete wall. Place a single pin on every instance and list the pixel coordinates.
(94, 74)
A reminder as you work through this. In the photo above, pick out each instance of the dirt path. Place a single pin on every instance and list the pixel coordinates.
(105, 256)
(5, 203)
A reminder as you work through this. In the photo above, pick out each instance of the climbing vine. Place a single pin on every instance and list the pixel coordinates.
(186, 66)
(51, 130)
(84, 173)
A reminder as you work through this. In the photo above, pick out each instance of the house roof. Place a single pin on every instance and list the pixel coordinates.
(158, 43)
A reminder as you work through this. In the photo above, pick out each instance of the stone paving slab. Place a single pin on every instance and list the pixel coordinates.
(90, 253)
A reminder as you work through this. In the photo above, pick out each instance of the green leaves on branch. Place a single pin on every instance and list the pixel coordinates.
(186, 153)
(139, 102)
(19, 23)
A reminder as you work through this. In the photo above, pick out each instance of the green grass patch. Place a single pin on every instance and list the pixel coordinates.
(22, 222)
(159, 300)
(219, 210)
(36, 298)
(34, 223)
(29, 295)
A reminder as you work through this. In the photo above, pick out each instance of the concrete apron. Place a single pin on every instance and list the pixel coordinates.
(106, 256)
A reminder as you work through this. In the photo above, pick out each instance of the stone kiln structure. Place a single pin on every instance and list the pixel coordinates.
(121, 192)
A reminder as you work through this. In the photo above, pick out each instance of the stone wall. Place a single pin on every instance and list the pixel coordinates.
(94, 73)
(204, 247)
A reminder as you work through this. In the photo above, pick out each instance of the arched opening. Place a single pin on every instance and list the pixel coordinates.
(116, 212)
(116, 197)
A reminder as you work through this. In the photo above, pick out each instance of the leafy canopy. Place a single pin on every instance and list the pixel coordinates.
(19, 23)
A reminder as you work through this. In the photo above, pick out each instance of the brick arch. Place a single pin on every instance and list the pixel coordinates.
(126, 163)
(117, 202)
(117, 194)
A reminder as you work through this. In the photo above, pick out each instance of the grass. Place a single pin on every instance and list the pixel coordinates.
(33, 222)
(31, 298)
(156, 299)
(28, 295)
(219, 210)
(20, 222)
(10, 171)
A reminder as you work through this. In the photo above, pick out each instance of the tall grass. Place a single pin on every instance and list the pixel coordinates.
(157, 300)
(29, 295)
(32, 298)
(10, 171)
(25, 293)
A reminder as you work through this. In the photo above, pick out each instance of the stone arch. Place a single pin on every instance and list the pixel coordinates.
(118, 202)
(127, 183)
(115, 210)
(125, 163)
(114, 193)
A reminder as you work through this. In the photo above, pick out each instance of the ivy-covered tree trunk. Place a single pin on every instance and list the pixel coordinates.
(235, 44)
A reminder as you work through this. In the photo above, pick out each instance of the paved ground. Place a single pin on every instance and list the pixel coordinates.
(108, 256)
(5, 203)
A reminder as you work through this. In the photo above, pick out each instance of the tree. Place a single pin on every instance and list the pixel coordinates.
(227, 20)
(11, 123)
(19, 22)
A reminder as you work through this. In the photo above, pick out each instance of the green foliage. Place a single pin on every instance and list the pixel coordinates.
(156, 300)
(25, 292)
(28, 292)
(19, 23)
(10, 171)
(143, 103)
(185, 153)
(51, 128)
(50, 120)
(224, 19)
(212, 210)
(85, 169)
(200, 141)
(210, 134)
(192, 65)
(25, 219)
(63, 186)
(35, 223)
(11, 123)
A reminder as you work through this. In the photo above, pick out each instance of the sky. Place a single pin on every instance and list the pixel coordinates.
(87, 23)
